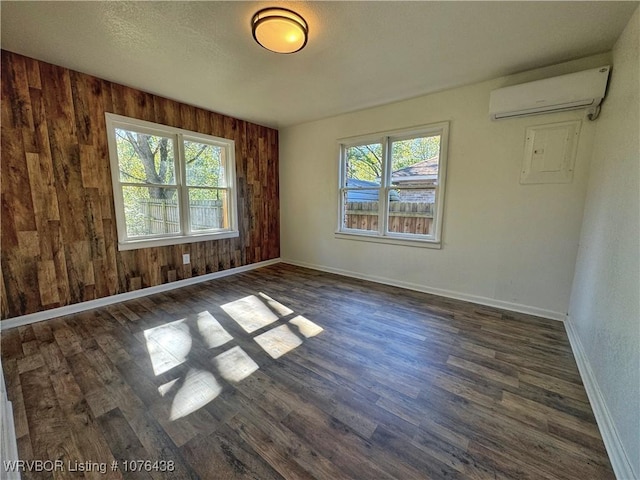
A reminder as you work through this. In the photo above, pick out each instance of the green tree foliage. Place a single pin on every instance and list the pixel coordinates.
(415, 150)
(205, 168)
(146, 159)
(149, 159)
(364, 162)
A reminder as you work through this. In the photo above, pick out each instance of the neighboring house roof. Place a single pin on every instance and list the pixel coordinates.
(426, 170)
(366, 195)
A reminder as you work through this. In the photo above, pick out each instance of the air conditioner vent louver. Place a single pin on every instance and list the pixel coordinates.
(567, 92)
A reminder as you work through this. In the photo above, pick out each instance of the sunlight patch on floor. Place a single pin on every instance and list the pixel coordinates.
(213, 334)
(278, 341)
(165, 388)
(198, 389)
(235, 365)
(277, 307)
(168, 345)
(306, 327)
(250, 313)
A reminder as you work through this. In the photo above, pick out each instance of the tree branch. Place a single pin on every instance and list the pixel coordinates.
(134, 177)
(374, 168)
(204, 147)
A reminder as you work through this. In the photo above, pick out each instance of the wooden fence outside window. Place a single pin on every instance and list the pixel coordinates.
(404, 217)
(161, 216)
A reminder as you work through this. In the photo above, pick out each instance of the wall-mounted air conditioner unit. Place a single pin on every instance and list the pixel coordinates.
(567, 92)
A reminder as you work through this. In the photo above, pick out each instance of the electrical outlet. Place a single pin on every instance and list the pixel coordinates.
(186, 258)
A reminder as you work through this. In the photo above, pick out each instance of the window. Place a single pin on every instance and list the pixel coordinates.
(170, 185)
(392, 186)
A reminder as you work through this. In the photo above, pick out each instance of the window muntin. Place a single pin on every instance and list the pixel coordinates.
(170, 185)
(392, 184)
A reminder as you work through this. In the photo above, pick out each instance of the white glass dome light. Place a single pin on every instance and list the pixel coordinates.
(280, 30)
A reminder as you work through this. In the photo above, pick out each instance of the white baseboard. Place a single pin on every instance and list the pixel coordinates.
(490, 302)
(122, 297)
(617, 455)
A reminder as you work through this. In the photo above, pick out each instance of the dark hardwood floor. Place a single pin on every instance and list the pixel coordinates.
(285, 372)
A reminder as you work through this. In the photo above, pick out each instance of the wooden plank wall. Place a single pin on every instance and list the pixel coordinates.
(59, 241)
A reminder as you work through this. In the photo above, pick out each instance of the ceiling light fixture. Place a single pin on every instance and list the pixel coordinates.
(280, 30)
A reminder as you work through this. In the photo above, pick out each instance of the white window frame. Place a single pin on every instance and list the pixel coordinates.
(178, 135)
(383, 235)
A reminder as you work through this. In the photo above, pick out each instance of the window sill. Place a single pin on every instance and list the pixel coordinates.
(407, 242)
(177, 240)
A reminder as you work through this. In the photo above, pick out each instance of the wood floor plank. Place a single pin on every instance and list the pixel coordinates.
(385, 384)
(505, 466)
(337, 442)
(15, 396)
(123, 442)
(11, 344)
(261, 442)
(85, 433)
(158, 445)
(51, 439)
(224, 454)
(422, 459)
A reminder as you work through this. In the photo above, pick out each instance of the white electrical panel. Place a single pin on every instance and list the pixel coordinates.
(550, 153)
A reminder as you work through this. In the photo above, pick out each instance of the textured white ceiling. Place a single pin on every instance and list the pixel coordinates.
(359, 54)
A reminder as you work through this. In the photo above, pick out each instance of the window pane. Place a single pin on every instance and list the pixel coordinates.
(361, 209)
(364, 165)
(411, 211)
(150, 210)
(204, 164)
(145, 158)
(209, 209)
(415, 161)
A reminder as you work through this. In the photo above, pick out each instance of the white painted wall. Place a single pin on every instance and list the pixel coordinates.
(504, 244)
(605, 303)
(8, 442)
